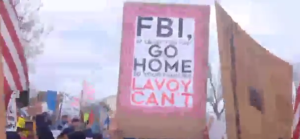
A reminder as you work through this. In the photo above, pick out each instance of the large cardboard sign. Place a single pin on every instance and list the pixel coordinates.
(162, 83)
(257, 85)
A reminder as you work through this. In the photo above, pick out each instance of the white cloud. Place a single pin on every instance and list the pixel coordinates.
(74, 5)
(251, 16)
(73, 53)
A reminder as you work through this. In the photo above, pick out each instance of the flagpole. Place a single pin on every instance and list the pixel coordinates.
(81, 95)
(61, 105)
(81, 99)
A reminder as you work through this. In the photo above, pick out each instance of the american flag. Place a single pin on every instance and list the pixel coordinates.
(296, 122)
(15, 69)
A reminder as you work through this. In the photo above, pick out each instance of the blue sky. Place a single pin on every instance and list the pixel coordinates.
(85, 43)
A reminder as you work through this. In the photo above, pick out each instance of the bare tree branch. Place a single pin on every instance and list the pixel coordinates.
(215, 99)
(211, 103)
(211, 82)
(33, 30)
(213, 88)
(222, 110)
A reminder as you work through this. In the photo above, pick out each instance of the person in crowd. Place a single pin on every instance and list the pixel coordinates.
(77, 135)
(48, 119)
(22, 132)
(97, 136)
(42, 127)
(75, 123)
(12, 135)
(88, 132)
(87, 122)
(106, 128)
(63, 123)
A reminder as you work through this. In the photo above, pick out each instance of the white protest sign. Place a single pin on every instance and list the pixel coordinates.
(11, 115)
(163, 62)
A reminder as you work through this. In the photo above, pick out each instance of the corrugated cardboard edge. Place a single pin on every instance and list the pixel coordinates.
(225, 73)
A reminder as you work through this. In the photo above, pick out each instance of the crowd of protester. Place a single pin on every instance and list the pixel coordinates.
(70, 129)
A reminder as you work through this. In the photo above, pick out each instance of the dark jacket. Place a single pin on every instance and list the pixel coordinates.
(12, 135)
(61, 125)
(77, 135)
(88, 133)
(67, 131)
(42, 128)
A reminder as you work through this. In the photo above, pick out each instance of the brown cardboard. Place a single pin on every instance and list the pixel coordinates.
(2, 105)
(38, 108)
(258, 68)
(113, 130)
(41, 97)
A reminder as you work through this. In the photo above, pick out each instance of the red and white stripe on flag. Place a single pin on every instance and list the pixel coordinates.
(296, 122)
(13, 58)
